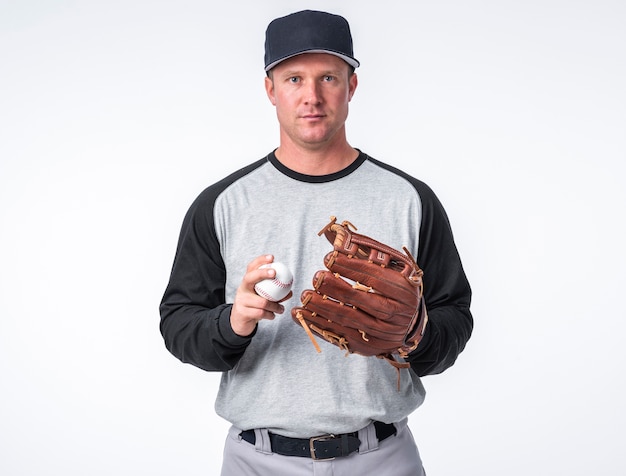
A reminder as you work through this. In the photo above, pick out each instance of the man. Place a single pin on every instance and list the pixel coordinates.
(288, 404)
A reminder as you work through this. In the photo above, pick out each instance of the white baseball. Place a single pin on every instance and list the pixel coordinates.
(277, 288)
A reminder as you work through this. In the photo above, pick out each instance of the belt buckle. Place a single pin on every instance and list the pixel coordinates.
(312, 446)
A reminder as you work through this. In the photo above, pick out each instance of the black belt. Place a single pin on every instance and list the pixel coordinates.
(320, 447)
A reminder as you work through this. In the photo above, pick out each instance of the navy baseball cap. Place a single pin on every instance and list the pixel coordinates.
(308, 31)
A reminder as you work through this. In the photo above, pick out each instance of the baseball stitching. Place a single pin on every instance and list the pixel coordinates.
(261, 292)
(280, 283)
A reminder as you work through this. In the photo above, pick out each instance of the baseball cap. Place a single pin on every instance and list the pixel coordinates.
(308, 31)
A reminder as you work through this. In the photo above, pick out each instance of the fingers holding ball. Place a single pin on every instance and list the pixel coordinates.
(277, 288)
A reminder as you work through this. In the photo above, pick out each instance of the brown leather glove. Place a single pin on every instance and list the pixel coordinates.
(369, 302)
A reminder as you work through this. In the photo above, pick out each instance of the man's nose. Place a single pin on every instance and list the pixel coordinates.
(312, 94)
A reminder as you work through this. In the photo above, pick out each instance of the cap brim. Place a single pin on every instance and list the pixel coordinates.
(351, 61)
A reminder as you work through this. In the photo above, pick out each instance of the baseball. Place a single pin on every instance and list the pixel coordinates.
(277, 288)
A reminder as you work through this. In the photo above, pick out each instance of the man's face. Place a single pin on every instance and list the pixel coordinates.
(311, 93)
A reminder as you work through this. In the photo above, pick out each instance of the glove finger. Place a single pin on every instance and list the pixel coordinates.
(377, 305)
(385, 281)
(347, 338)
(349, 316)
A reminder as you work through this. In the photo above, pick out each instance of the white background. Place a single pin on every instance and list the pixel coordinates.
(114, 116)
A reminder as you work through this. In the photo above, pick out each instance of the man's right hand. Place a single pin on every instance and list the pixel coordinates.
(249, 308)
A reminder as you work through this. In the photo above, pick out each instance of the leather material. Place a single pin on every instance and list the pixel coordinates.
(320, 447)
(370, 299)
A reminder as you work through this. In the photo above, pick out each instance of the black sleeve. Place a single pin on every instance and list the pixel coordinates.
(195, 319)
(447, 291)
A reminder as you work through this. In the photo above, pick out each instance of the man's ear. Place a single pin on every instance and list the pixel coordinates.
(353, 82)
(269, 89)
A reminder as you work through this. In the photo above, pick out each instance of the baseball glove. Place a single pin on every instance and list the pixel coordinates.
(369, 301)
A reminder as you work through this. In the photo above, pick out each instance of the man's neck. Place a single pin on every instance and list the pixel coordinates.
(316, 161)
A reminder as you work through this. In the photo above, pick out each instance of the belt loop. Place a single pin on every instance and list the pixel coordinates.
(401, 425)
(262, 443)
(345, 450)
(369, 442)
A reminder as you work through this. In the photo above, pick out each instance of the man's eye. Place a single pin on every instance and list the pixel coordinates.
(329, 78)
(294, 79)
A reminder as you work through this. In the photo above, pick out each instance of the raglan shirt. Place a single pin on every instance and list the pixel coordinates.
(274, 378)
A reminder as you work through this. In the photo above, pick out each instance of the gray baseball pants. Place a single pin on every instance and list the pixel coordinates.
(395, 456)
